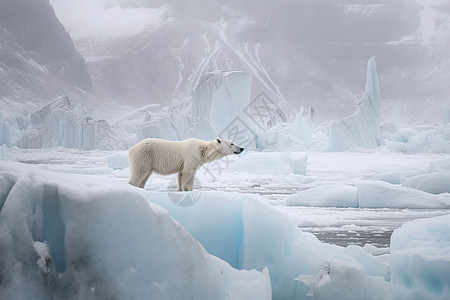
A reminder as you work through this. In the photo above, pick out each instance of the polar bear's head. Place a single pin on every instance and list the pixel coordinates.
(227, 147)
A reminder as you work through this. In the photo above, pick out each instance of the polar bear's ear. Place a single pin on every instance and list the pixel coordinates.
(218, 140)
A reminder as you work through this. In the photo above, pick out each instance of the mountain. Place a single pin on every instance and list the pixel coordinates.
(38, 60)
(310, 53)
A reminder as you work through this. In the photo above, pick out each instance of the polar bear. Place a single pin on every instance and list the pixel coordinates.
(168, 157)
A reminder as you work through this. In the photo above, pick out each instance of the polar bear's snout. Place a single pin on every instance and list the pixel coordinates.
(240, 149)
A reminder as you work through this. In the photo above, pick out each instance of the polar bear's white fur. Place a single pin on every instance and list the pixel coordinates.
(169, 157)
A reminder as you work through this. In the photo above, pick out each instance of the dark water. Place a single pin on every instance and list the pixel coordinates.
(343, 237)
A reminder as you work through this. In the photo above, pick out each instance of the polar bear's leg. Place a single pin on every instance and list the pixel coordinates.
(187, 179)
(139, 174)
(180, 184)
(144, 180)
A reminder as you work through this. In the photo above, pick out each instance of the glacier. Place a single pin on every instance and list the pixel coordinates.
(362, 129)
(95, 238)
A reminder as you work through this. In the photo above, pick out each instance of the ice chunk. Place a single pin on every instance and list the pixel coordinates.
(368, 194)
(249, 233)
(329, 195)
(374, 194)
(420, 259)
(337, 280)
(62, 123)
(286, 136)
(433, 182)
(427, 139)
(118, 160)
(434, 179)
(95, 238)
(362, 129)
(217, 100)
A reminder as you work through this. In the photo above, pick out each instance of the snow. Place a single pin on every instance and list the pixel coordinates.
(270, 162)
(420, 259)
(97, 238)
(362, 129)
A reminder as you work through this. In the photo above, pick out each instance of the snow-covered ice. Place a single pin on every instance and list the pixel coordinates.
(96, 238)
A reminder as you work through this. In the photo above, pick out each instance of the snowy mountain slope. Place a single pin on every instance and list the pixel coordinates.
(311, 53)
(38, 61)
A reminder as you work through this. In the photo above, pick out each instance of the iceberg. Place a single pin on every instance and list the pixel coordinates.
(67, 124)
(362, 129)
(98, 239)
(218, 100)
(420, 259)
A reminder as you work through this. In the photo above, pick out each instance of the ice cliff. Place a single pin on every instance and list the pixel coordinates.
(362, 129)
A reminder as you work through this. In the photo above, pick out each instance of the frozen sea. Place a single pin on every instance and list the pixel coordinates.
(335, 225)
